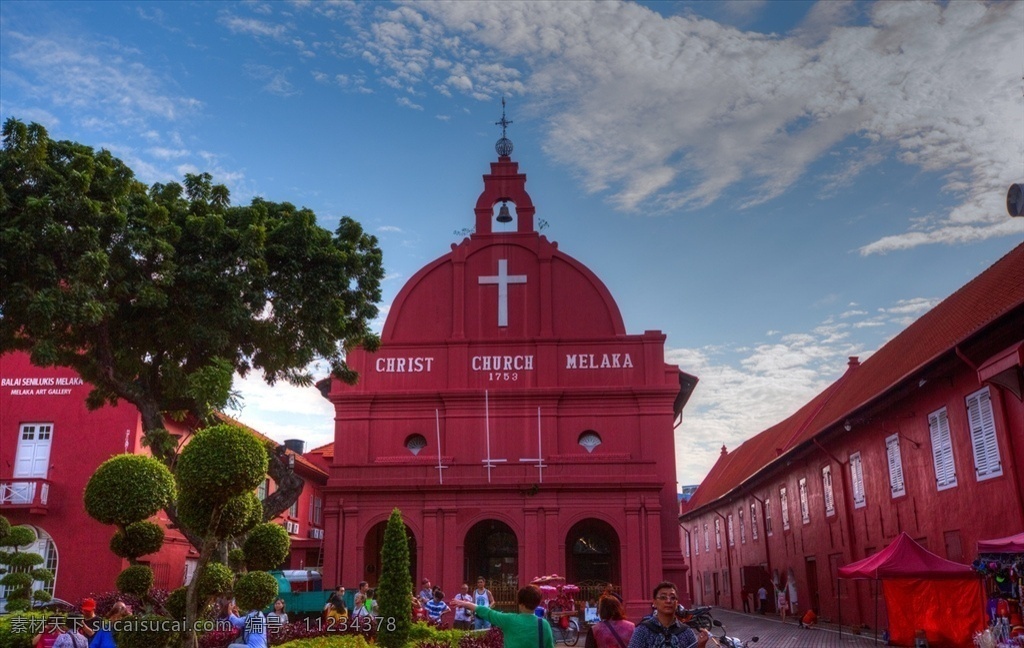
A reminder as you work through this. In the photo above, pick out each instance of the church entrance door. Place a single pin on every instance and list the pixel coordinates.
(492, 551)
(372, 547)
(592, 555)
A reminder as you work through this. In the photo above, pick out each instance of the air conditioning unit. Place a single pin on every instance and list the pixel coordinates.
(316, 534)
(292, 527)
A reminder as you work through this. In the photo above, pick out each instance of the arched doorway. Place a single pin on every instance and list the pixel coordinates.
(492, 551)
(592, 553)
(372, 547)
(45, 547)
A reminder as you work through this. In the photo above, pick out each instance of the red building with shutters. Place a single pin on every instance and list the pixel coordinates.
(926, 436)
(50, 445)
(513, 420)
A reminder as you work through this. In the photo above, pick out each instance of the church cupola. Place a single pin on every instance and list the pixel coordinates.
(506, 185)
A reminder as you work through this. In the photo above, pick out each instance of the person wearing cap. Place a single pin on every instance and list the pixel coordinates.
(92, 621)
(69, 627)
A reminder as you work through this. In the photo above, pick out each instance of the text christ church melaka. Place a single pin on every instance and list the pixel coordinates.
(510, 417)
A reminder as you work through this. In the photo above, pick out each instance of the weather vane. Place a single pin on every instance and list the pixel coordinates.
(504, 145)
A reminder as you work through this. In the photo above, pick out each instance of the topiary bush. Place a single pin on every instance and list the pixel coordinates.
(395, 583)
(236, 560)
(238, 515)
(202, 470)
(175, 604)
(135, 580)
(150, 483)
(137, 539)
(255, 590)
(144, 631)
(266, 546)
(216, 579)
(19, 569)
(16, 629)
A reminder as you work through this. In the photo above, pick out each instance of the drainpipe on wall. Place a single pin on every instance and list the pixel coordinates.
(764, 527)
(847, 515)
(689, 564)
(728, 558)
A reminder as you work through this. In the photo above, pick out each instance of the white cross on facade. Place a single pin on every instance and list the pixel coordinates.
(503, 279)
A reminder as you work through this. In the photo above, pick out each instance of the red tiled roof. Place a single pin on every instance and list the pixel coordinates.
(990, 295)
(326, 451)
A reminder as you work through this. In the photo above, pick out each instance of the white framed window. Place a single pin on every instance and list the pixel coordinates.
(294, 510)
(942, 450)
(857, 477)
(718, 533)
(707, 546)
(784, 507)
(696, 542)
(983, 436)
(729, 530)
(753, 521)
(805, 508)
(892, 453)
(829, 495)
(263, 489)
(743, 528)
(768, 516)
(318, 510)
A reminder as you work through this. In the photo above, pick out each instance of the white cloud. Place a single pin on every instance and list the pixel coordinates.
(389, 228)
(405, 101)
(276, 79)
(745, 390)
(105, 84)
(668, 113)
(253, 27)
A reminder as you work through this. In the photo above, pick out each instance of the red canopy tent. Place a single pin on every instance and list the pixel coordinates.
(924, 592)
(1011, 544)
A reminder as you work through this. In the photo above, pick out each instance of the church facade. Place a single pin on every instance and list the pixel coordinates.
(512, 419)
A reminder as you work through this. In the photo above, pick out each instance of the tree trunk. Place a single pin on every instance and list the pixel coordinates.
(289, 485)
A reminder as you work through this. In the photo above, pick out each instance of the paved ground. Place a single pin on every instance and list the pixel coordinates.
(772, 633)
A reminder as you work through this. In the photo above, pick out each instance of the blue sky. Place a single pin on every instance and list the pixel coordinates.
(775, 185)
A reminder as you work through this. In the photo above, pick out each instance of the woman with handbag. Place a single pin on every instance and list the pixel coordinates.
(613, 631)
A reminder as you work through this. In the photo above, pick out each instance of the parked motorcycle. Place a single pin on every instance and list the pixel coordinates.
(726, 641)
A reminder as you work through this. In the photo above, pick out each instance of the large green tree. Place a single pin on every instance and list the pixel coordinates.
(158, 295)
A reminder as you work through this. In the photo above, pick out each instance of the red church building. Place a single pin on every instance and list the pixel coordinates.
(513, 420)
(50, 445)
(926, 437)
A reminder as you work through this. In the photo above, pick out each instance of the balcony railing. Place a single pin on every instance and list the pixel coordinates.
(30, 494)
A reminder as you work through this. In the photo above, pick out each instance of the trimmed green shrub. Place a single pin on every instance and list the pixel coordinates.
(236, 560)
(42, 596)
(16, 580)
(239, 514)
(137, 539)
(18, 536)
(24, 560)
(267, 546)
(176, 602)
(255, 590)
(221, 461)
(136, 580)
(335, 641)
(143, 631)
(395, 583)
(216, 579)
(5, 526)
(13, 633)
(148, 482)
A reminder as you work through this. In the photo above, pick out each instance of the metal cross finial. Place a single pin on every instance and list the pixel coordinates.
(504, 122)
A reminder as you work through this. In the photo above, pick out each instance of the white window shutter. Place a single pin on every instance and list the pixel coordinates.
(857, 476)
(892, 450)
(983, 435)
(942, 450)
(826, 484)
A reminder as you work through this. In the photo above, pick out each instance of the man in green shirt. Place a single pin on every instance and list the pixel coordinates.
(522, 630)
